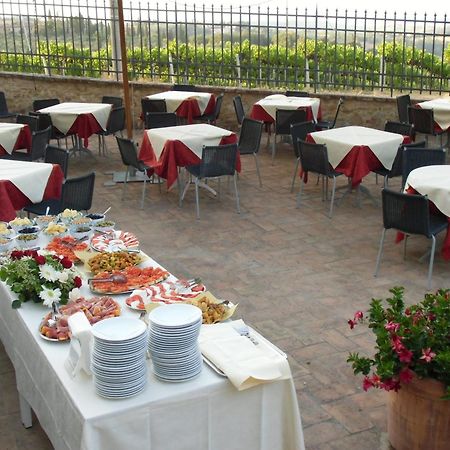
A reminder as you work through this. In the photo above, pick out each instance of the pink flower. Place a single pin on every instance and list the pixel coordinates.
(407, 312)
(405, 355)
(392, 326)
(367, 383)
(396, 342)
(358, 315)
(390, 385)
(352, 323)
(406, 375)
(40, 259)
(77, 282)
(427, 354)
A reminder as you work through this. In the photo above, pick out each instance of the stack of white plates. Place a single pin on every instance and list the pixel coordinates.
(174, 331)
(118, 358)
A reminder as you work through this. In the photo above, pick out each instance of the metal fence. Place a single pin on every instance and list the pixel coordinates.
(225, 46)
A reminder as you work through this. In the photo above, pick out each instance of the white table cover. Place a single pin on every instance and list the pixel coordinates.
(340, 141)
(9, 132)
(278, 101)
(441, 111)
(433, 181)
(30, 178)
(193, 136)
(174, 99)
(205, 413)
(64, 115)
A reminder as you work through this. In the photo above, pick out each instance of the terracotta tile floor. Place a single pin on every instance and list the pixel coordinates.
(297, 276)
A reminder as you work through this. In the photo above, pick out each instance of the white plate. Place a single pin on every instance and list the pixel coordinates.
(119, 329)
(175, 316)
(114, 241)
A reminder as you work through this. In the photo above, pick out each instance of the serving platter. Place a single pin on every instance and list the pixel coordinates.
(67, 246)
(115, 241)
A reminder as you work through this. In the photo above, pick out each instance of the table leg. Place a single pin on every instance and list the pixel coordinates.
(80, 149)
(25, 412)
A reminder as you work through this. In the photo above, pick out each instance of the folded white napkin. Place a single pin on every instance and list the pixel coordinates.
(246, 362)
(80, 345)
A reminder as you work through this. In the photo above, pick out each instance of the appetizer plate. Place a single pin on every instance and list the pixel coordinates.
(114, 241)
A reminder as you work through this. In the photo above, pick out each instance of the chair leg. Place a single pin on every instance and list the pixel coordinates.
(299, 196)
(430, 267)
(333, 192)
(125, 183)
(404, 247)
(257, 169)
(274, 146)
(197, 201)
(238, 208)
(143, 191)
(295, 174)
(380, 252)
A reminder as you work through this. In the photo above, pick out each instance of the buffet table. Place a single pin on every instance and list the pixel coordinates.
(187, 104)
(23, 183)
(204, 413)
(14, 136)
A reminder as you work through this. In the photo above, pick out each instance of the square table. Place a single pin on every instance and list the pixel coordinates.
(166, 149)
(204, 413)
(82, 119)
(23, 183)
(14, 136)
(266, 108)
(441, 112)
(186, 104)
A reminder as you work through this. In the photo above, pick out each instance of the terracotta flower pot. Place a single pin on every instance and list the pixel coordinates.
(417, 418)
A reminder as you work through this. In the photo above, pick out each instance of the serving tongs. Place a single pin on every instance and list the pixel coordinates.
(114, 278)
(185, 287)
(56, 314)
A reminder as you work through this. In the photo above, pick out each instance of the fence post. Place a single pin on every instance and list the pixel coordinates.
(238, 70)
(171, 71)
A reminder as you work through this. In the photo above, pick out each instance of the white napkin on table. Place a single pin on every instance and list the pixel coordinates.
(245, 363)
(80, 345)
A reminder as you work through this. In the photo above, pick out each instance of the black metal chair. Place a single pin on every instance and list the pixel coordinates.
(116, 124)
(31, 121)
(160, 120)
(4, 112)
(403, 103)
(45, 121)
(128, 153)
(211, 118)
(250, 140)
(284, 118)
(57, 155)
(152, 106)
(414, 158)
(239, 109)
(185, 87)
(44, 103)
(410, 214)
(217, 161)
(423, 121)
(397, 166)
(77, 193)
(117, 102)
(39, 141)
(297, 94)
(326, 124)
(299, 131)
(405, 129)
(314, 158)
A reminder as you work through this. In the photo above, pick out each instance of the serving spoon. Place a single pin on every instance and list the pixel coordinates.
(114, 278)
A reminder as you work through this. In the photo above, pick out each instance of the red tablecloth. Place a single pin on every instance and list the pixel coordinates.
(259, 113)
(23, 141)
(85, 125)
(175, 154)
(12, 199)
(358, 162)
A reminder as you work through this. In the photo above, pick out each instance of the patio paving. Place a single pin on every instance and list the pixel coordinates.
(297, 276)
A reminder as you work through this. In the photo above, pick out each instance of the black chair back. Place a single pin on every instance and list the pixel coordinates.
(406, 212)
(218, 160)
(397, 165)
(128, 152)
(218, 107)
(149, 105)
(297, 94)
(160, 120)
(403, 102)
(414, 158)
(77, 193)
(44, 103)
(57, 155)
(314, 158)
(239, 109)
(4, 112)
(31, 121)
(116, 120)
(299, 131)
(39, 141)
(286, 117)
(115, 101)
(405, 129)
(250, 136)
(422, 119)
(185, 87)
(338, 108)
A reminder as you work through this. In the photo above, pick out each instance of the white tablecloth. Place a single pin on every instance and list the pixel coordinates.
(9, 132)
(441, 111)
(174, 99)
(64, 115)
(433, 181)
(340, 141)
(193, 136)
(205, 413)
(278, 101)
(31, 178)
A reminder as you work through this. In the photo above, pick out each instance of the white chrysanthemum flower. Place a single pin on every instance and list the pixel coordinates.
(63, 276)
(50, 296)
(47, 272)
(74, 294)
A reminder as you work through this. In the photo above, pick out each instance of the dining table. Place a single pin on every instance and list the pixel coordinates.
(441, 112)
(14, 136)
(186, 104)
(23, 183)
(166, 149)
(266, 108)
(207, 412)
(434, 182)
(80, 119)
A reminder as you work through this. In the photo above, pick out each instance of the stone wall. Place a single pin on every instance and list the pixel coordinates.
(22, 89)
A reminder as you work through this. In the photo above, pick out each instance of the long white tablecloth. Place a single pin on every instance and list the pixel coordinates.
(205, 413)
(279, 101)
(174, 99)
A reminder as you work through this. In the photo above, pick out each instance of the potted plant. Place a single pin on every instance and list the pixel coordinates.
(412, 362)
